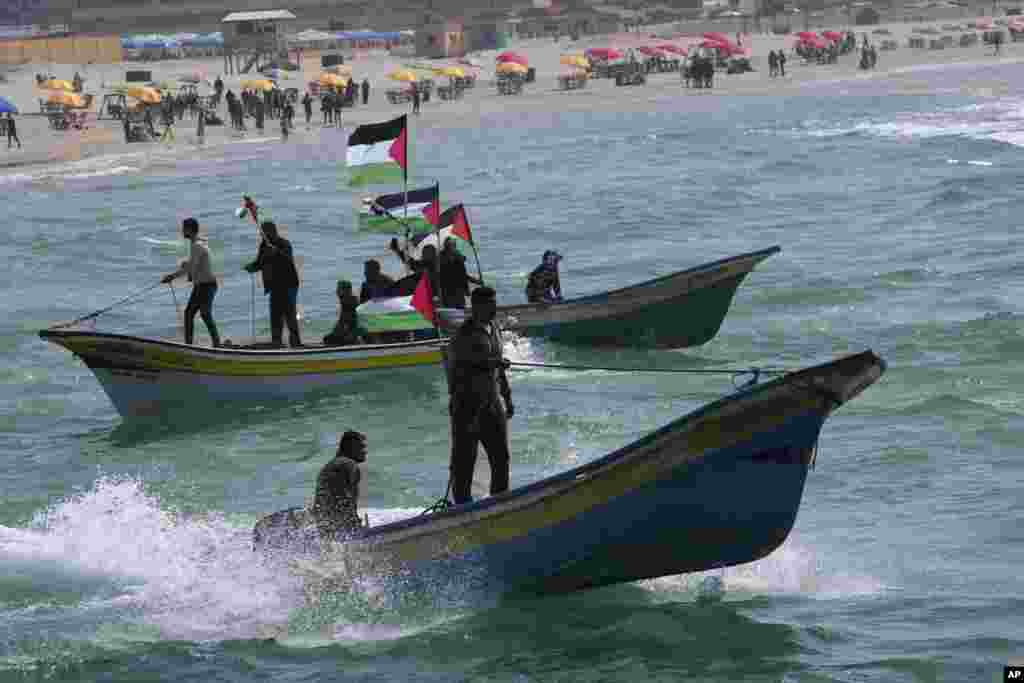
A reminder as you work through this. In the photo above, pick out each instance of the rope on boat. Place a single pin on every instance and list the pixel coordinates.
(96, 314)
(755, 372)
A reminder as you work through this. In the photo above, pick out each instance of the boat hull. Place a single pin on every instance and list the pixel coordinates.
(680, 310)
(717, 488)
(149, 377)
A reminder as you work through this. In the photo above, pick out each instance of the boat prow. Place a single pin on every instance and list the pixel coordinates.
(715, 488)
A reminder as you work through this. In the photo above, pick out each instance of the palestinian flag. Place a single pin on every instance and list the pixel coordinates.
(373, 213)
(377, 153)
(452, 222)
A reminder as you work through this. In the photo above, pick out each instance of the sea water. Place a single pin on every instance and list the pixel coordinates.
(125, 551)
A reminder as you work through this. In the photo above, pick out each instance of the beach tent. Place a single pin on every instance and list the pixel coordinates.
(6, 107)
(511, 57)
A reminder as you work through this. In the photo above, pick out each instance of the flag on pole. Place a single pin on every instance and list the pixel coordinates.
(373, 215)
(423, 299)
(452, 222)
(377, 152)
(433, 211)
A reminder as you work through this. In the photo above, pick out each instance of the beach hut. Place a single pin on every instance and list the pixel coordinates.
(441, 40)
(253, 36)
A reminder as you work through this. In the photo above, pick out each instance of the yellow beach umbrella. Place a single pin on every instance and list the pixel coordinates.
(261, 84)
(144, 94)
(333, 80)
(341, 69)
(451, 72)
(67, 99)
(575, 60)
(511, 68)
(403, 75)
(58, 84)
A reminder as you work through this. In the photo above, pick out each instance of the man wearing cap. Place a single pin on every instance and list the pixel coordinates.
(204, 282)
(544, 285)
(281, 281)
(481, 401)
(335, 505)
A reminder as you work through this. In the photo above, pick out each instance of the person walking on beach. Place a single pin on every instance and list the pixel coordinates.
(782, 63)
(204, 282)
(12, 131)
(276, 260)
(773, 64)
(201, 126)
(366, 90)
(307, 104)
(284, 128)
(415, 99)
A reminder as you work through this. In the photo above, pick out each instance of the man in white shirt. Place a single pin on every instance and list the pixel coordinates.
(204, 282)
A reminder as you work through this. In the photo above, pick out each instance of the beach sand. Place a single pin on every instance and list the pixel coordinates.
(44, 147)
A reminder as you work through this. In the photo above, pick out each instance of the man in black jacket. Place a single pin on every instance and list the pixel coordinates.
(280, 281)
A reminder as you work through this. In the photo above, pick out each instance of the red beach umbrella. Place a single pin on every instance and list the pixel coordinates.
(716, 36)
(833, 35)
(807, 35)
(603, 53)
(672, 48)
(514, 57)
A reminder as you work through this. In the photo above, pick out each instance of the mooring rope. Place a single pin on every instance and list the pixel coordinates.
(689, 371)
(96, 314)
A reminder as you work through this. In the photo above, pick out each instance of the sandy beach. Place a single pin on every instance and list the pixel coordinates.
(43, 146)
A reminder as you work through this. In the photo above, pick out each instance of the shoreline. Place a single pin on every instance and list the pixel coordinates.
(44, 149)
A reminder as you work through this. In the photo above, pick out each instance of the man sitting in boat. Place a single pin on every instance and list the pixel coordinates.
(376, 285)
(204, 282)
(346, 330)
(335, 505)
(481, 401)
(544, 285)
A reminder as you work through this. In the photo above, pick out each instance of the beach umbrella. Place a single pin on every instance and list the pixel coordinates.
(603, 53)
(333, 80)
(672, 48)
(833, 35)
(451, 72)
(144, 94)
(807, 35)
(402, 75)
(575, 60)
(261, 84)
(716, 36)
(340, 69)
(67, 99)
(6, 107)
(58, 84)
(509, 57)
(511, 68)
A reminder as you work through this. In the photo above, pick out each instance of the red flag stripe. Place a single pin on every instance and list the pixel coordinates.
(460, 226)
(397, 149)
(423, 299)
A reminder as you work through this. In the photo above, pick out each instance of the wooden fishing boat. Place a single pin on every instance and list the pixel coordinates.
(679, 310)
(147, 377)
(718, 487)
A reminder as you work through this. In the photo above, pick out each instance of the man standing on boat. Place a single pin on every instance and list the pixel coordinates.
(281, 281)
(544, 285)
(454, 278)
(336, 503)
(204, 282)
(481, 401)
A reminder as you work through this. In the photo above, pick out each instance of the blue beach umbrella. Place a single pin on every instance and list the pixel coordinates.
(6, 107)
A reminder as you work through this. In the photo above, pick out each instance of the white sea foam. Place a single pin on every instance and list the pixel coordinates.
(192, 577)
(792, 568)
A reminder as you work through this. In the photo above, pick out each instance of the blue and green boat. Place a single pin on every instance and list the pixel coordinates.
(718, 487)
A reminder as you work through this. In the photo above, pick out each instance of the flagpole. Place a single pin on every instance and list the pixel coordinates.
(405, 188)
(472, 243)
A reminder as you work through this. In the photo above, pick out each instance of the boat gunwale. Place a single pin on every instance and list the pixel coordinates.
(54, 336)
(858, 383)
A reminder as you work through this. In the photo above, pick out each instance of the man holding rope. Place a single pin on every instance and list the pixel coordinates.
(204, 282)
